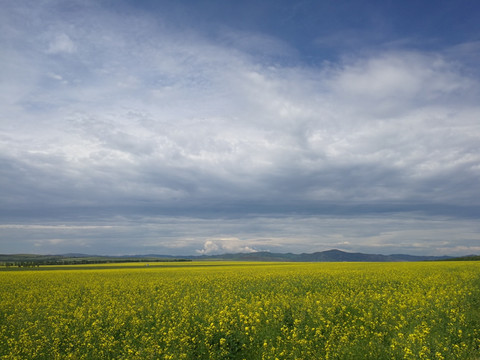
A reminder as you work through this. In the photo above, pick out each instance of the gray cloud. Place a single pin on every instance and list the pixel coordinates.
(106, 115)
(184, 235)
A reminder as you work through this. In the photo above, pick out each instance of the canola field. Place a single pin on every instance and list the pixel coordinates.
(220, 310)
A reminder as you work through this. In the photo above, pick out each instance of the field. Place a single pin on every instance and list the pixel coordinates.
(219, 310)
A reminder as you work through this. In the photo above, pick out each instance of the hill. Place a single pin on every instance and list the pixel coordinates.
(322, 256)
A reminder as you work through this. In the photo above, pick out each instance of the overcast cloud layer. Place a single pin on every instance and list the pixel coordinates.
(146, 127)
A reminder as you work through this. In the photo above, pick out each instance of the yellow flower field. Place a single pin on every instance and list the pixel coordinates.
(220, 310)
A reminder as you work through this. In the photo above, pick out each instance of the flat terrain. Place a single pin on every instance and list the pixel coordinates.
(235, 310)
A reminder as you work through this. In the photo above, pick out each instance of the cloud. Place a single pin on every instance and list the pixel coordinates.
(393, 84)
(61, 43)
(385, 233)
(109, 114)
(286, 119)
(303, 147)
(225, 245)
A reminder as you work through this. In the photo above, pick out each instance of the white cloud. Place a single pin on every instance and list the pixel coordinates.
(61, 43)
(321, 124)
(224, 245)
(394, 83)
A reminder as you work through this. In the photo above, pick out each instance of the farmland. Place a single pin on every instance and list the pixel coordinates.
(235, 310)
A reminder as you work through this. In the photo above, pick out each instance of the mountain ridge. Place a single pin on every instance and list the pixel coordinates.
(333, 255)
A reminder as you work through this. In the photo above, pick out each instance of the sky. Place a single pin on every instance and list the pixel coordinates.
(206, 127)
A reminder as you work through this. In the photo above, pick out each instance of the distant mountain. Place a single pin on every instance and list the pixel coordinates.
(322, 256)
